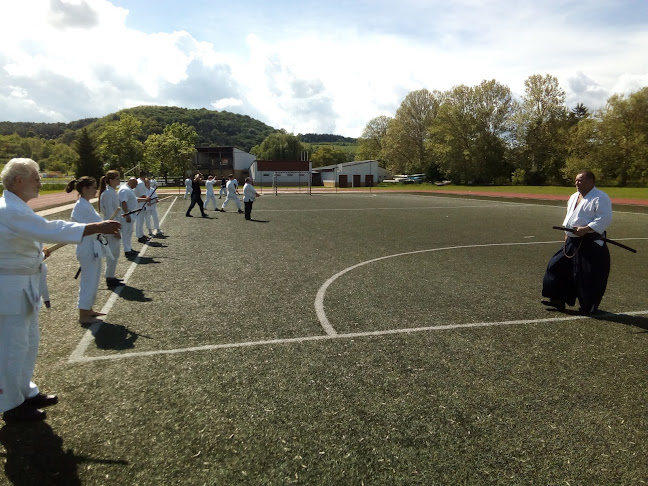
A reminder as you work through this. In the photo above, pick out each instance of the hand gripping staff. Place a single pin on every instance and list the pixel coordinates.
(607, 240)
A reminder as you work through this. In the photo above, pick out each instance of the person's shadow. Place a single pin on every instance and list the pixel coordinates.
(629, 320)
(35, 456)
(258, 220)
(134, 294)
(116, 336)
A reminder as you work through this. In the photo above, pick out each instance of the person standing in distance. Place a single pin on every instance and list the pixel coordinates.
(187, 188)
(195, 197)
(22, 233)
(209, 193)
(232, 193)
(128, 203)
(108, 205)
(223, 188)
(249, 195)
(580, 269)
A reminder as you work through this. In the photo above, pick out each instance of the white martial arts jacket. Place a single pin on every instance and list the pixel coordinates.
(209, 185)
(126, 194)
(21, 250)
(91, 246)
(232, 186)
(108, 202)
(594, 210)
(249, 192)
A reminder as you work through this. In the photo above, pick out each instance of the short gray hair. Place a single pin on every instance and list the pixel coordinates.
(19, 167)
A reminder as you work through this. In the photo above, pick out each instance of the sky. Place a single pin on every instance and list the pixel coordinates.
(304, 66)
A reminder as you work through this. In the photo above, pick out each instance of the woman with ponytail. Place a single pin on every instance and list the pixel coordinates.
(108, 204)
(91, 249)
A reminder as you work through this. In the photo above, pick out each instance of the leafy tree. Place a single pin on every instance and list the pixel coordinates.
(88, 163)
(541, 130)
(170, 152)
(468, 137)
(279, 146)
(622, 148)
(328, 155)
(120, 143)
(370, 144)
(405, 142)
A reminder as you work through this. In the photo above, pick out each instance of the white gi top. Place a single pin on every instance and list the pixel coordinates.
(249, 192)
(594, 210)
(153, 183)
(91, 245)
(21, 250)
(232, 186)
(210, 187)
(126, 194)
(108, 202)
(140, 190)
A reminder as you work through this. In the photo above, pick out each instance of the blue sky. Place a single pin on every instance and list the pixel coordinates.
(307, 67)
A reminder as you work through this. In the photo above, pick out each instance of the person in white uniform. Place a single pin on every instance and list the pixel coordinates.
(209, 193)
(249, 195)
(141, 192)
(187, 188)
(128, 202)
(580, 269)
(150, 210)
(232, 193)
(110, 208)
(22, 232)
(90, 251)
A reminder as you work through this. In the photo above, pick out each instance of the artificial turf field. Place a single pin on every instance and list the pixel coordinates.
(344, 339)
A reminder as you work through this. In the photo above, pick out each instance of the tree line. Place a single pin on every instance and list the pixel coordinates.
(482, 135)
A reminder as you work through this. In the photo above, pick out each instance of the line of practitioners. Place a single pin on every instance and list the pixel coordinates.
(230, 190)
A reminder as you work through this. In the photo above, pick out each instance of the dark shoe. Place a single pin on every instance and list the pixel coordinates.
(143, 239)
(557, 303)
(24, 413)
(47, 304)
(205, 216)
(588, 311)
(131, 253)
(114, 282)
(41, 400)
(188, 215)
(240, 212)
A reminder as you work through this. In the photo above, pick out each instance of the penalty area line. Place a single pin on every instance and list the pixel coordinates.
(350, 335)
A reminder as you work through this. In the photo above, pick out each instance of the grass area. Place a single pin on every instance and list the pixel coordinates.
(213, 365)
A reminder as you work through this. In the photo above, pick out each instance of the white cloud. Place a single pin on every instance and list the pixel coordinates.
(327, 71)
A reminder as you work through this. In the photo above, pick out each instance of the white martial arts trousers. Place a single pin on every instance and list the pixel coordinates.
(89, 281)
(222, 192)
(18, 350)
(211, 197)
(139, 224)
(151, 216)
(126, 234)
(233, 197)
(114, 245)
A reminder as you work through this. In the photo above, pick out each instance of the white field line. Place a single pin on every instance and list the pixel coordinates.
(87, 338)
(321, 293)
(78, 355)
(351, 335)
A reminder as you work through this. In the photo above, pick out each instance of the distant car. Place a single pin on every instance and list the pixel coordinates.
(417, 178)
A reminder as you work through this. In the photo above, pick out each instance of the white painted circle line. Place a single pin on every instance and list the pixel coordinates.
(321, 293)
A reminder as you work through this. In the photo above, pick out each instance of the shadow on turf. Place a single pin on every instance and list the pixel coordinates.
(127, 292)
(634, 321)
(35, 455)
(116, 336)
(258, 220)
(142, 260)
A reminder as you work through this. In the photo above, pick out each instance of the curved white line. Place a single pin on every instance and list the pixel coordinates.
(319, 299)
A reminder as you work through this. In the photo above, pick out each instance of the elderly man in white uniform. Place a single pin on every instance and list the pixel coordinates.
(232, 193)
(21, 254)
